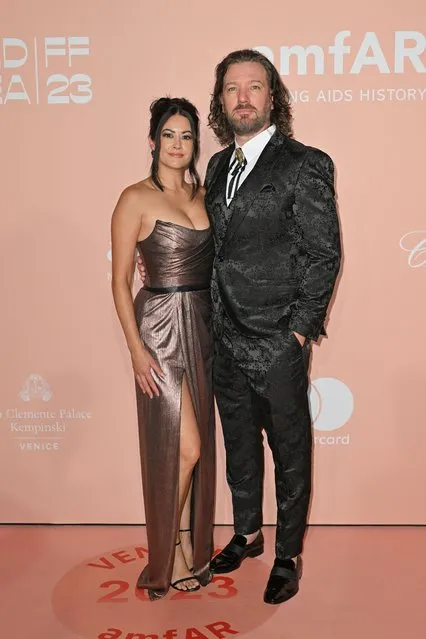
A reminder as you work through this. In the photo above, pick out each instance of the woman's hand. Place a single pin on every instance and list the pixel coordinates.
(143, 366)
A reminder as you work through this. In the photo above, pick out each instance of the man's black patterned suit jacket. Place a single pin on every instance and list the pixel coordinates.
(277, 245)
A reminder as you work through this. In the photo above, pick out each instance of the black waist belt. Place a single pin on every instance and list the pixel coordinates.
(176, 289)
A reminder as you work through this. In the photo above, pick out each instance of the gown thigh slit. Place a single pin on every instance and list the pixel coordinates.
(173, 312)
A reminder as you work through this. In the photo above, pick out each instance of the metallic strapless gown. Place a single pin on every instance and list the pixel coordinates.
(176, 328)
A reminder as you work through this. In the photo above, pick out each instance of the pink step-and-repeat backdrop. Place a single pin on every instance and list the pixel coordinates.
(76, 81)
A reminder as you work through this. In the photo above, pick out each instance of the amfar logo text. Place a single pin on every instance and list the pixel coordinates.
(408, 53)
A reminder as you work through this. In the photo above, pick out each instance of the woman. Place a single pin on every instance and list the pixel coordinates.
(167, 330)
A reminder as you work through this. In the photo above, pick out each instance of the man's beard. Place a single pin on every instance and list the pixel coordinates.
(247, 125)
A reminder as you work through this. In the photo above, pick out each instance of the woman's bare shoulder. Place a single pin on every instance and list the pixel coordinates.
(135, 197)
(138, 191)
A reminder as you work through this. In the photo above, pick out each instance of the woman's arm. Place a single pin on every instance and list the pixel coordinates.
(125, 228)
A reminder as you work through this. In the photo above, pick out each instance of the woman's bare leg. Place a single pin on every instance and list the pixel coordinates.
(189, 455)
(185, 532)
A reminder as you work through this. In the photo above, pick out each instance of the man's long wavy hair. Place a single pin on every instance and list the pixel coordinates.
(281, 114)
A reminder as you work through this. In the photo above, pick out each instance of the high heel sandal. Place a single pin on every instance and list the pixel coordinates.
(184, 530)
(173, 584)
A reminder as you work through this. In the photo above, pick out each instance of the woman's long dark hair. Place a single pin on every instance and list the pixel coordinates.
(281, 114)
(161, 110)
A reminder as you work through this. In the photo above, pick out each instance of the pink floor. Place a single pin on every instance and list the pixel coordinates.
(65, 582)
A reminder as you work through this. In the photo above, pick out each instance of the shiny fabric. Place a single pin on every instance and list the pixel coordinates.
(277, 259)
(176, 328)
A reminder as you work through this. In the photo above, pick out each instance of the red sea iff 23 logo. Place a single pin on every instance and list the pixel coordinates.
(46, 70)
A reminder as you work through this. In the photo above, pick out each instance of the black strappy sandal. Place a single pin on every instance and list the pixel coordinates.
(173, 584)
(181, 530)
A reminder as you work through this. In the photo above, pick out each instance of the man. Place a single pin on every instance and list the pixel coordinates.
(273, 213)
(272, 208)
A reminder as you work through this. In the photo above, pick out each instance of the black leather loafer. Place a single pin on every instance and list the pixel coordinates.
(283, 581)
(235, 552)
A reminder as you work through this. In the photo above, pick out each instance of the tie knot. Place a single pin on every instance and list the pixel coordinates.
(240, 156)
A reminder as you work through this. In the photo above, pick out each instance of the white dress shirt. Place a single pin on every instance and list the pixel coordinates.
(252, 150)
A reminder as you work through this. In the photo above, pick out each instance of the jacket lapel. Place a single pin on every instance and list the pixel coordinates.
(215, 197)
(253, 184)
(222, 163)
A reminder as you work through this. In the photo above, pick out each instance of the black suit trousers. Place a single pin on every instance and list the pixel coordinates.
(275, 400)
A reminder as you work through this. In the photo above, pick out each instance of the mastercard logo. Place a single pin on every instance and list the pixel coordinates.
(331, 403)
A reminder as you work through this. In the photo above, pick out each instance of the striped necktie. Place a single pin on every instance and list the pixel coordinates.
(236, 169)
